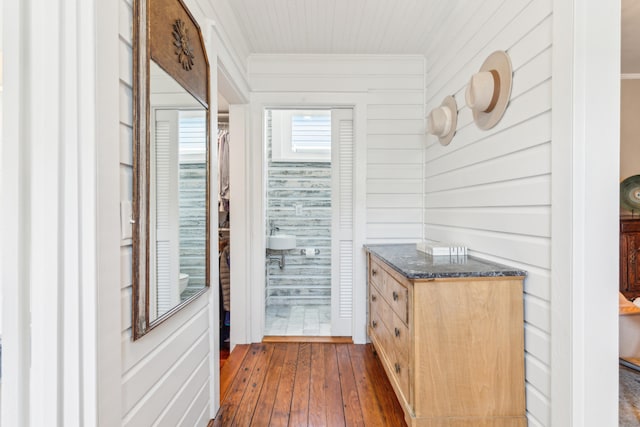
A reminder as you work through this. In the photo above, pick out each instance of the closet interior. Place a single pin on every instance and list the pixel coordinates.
(223, 232)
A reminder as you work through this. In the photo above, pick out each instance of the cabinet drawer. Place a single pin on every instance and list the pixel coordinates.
(380, 316)
(381, 309)
(376, 275)
(377, 328)
(376, 308)
(400, 370)
(397, 296)
(629, 226)
(399, 337)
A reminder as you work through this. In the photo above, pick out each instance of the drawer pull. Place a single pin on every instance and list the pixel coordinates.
(397, 331)
(395, 296)
(374, 272)
(397, 366)
(374, 323)
(374, 298)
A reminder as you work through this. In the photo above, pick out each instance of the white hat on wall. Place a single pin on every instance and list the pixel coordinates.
(489, 90)
(442, 120)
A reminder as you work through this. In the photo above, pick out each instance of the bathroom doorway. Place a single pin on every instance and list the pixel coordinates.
(308, 168)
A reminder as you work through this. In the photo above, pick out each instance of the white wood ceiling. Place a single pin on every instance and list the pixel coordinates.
(371, 26)
(335, 26)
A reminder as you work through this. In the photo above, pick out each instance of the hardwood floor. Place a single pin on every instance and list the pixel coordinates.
(306, 384)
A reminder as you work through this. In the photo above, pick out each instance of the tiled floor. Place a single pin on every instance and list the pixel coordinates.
(629, 395)
(309, 320)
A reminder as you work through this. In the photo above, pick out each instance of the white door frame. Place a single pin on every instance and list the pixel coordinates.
(227, 76)
(61, 228)
(585, 209)
(255, 250)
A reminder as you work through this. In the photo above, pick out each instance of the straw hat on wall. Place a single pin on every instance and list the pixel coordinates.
(489, 90)
(442, 120)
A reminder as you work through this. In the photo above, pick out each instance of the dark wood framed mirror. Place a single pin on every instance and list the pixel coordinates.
(171, 182)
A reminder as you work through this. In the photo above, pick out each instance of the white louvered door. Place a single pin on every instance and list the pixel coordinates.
(342, 258)
(164, 220)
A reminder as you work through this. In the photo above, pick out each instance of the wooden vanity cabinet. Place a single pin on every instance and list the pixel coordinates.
(453, 348)
(629, 265)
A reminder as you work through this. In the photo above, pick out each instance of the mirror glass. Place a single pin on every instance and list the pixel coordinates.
(177, 194)
(171, 167)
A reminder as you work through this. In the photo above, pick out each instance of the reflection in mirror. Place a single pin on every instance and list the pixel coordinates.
(177, 209)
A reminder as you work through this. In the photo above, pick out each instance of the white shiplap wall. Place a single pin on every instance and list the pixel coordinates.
(393, 86)
(165, 374)
(395, 140)
(492, 189)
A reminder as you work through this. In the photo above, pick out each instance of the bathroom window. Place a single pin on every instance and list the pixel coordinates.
(301, 135)
(192, 134)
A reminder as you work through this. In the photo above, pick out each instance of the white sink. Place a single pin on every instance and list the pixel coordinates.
(281, 242)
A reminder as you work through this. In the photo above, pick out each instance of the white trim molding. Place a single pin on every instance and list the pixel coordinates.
(228, 79)
(103, 161)
(586, 106)
(60, 230)
(15, 230)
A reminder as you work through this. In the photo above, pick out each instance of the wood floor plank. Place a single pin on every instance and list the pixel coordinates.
(317, 411)
(384, 391)
(371, 408)
(300, 401)
(229, 406)
(351, 401)
(266, 401)
(304, 338)
(231, 367)
(256, 381)
(333, 392)
(284, 395)
(305, 384)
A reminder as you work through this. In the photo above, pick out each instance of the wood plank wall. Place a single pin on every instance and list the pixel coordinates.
(303, 280)
(193, 230)
(166, 374)
(492, 189)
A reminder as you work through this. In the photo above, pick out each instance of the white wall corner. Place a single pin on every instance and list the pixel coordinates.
(585, 172)
(230, 45)
(106, 196)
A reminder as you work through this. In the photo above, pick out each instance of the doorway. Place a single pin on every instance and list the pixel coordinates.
(308, 196)
(224, 228)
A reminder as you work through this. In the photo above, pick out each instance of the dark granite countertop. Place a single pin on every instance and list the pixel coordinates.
(414, 264)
